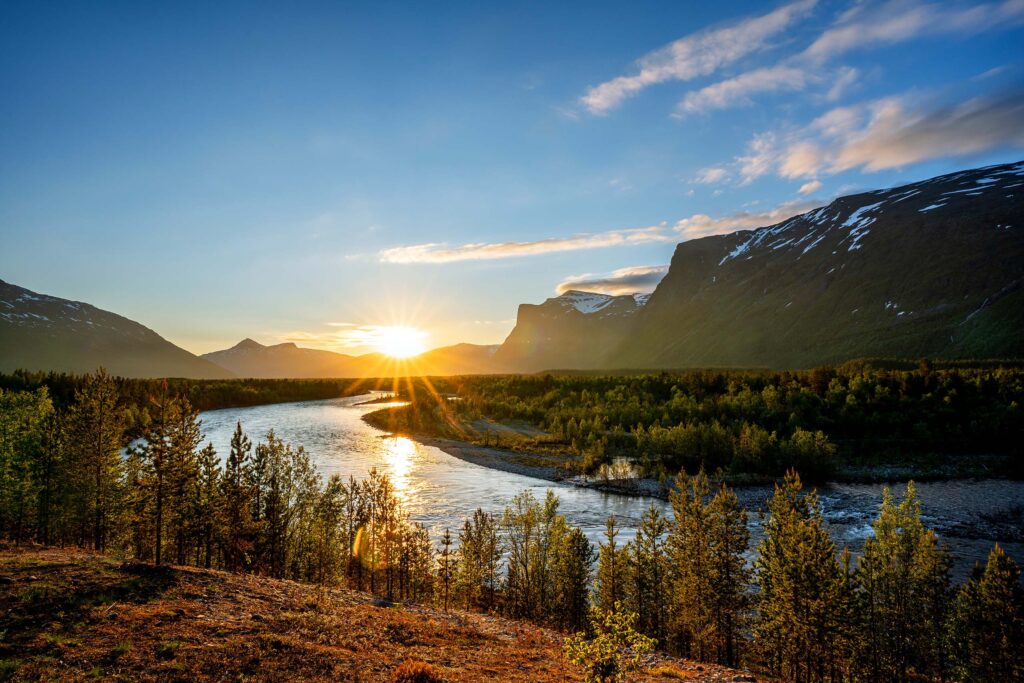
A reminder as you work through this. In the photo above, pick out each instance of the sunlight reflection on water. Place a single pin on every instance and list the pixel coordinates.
(440, 490)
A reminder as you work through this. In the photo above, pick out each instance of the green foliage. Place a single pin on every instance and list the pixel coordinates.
(742, 422)
(803, 586)
(987, 623)
(707, 541)
(902, 591)
(615, 650)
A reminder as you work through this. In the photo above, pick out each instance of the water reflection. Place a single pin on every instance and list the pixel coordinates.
(399, 453)
(440, 490)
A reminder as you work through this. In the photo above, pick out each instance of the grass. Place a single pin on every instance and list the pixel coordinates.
(90, 617)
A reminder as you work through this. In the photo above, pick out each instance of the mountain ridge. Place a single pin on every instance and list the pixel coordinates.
(44, 332)
(932, 268)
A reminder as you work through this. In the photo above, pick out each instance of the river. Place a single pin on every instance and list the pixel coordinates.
(440, 490)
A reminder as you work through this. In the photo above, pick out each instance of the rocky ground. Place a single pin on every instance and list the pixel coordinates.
(70, 615)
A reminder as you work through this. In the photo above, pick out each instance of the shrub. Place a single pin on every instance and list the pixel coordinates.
(615, 650)
(412, 671)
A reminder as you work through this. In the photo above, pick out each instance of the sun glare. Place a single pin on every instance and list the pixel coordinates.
(401, 342)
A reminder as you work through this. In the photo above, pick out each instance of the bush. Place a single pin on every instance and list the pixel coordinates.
(615, 650)
(412, 671)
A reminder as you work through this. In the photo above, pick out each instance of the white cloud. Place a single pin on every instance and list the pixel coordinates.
(897, 21)
(888, 133)
(702, 225)
(441, 253)
(713, 174)
(631, 280)
(760, 157)
(695, 226)
(697, 54)
(811, 187)
(737, 91)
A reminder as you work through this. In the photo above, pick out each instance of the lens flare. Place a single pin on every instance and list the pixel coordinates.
(400, 342)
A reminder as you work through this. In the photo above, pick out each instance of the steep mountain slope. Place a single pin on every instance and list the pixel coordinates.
(574, 330)
(252, 359)
(934, 269)
(40, 332)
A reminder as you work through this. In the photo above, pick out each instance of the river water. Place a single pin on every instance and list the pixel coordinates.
(440, 490)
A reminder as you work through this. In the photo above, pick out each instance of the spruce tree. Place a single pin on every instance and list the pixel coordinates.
(612, 570)
(902, 588)
(208, 505)
(730, 581)
(445, 568)
(799, 631)
(649, 575)
(96, 434)
(236, 500)
(987, 623)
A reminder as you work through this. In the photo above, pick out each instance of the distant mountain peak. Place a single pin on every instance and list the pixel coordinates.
(248, 343)
(43, 332)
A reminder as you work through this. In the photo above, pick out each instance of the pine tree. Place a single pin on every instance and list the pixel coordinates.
(798, 631)
(157, 453)
(902, 588)
(729, 539)
(572, 560)
(208, 504)
(987, 623)
(612, 570)
(236, 499)
(649, 575)
(183, 476)
(445, 568)
(96, 434)
(689, 549)
(478, 557)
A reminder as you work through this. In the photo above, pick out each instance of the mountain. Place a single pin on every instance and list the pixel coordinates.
(934, 269)
(41, 332)
(252, 359)
(575, 330)
(248, 358)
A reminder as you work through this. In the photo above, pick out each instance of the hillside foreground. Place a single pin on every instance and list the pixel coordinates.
(72, 615)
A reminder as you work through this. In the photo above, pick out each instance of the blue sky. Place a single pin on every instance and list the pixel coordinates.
(301, 171)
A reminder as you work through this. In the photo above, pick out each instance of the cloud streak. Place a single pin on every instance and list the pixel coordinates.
(895, 22)
(631, 280)
(864, 27)
(698, 54)
(888, 133)
(738, 91)
(703, 225)
(484, 251)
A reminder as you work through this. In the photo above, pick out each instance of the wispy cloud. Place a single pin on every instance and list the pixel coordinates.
(698, 54)
(895, 22)
(865, 26)
(703, 225)
(738, 91)
(888, 133)
(631, 280)
(713, 174)
(697, 225)
(811, 187)
(483, 251)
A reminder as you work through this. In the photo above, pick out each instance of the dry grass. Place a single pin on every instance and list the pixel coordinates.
(68, 615)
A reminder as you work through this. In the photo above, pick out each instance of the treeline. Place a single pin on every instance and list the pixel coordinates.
(800, 610)
(761, 423)
(202, 394)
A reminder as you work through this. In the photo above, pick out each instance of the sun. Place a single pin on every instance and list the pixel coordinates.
(400, 341)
